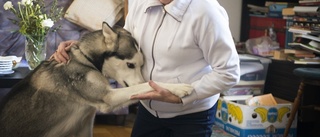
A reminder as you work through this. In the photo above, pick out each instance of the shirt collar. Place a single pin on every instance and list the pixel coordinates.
(177, 8)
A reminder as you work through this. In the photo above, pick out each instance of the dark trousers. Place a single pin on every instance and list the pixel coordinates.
(191, 125)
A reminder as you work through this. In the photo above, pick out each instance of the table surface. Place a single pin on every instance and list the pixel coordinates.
(8, 81)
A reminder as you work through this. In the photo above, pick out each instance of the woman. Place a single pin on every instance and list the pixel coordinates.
(183, 41)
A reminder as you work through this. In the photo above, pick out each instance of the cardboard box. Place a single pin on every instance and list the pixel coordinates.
(279, 54)
(255, 121)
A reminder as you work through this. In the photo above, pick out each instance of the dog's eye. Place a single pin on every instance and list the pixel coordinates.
(130, 65)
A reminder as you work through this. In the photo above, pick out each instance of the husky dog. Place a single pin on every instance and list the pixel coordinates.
(60, 100)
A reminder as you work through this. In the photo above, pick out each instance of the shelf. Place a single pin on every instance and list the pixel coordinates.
(250, 83)
(305, 47)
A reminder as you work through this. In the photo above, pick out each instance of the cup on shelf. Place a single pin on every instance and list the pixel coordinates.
(5, 65)
(8, 63)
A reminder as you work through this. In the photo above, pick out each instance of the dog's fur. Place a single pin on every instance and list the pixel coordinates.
(60, 100)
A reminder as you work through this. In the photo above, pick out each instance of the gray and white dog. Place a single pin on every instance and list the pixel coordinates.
(60, 100)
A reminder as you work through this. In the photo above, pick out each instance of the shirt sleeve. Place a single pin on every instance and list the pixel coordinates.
(215, 40)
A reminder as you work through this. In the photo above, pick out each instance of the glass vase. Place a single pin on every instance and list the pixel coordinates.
(35, 50)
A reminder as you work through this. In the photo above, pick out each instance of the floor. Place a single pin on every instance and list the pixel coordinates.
(103, 128)
(111, 131)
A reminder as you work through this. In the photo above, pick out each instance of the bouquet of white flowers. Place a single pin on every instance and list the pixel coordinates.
(32, 18)
(34, 22)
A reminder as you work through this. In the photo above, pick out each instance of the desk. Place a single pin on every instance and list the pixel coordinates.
(8, 81)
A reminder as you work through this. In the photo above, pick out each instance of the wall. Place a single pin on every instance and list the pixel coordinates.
(233, 8)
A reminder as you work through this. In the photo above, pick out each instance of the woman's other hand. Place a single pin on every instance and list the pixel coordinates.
(61, 54)
(159, 93)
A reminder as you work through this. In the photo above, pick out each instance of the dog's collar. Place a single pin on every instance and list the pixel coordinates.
(90, 60)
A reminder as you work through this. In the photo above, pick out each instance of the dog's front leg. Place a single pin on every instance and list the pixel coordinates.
(121, 96)
(86, 125)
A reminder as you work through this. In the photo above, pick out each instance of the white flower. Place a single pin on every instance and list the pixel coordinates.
(41, 16)
(8, 5)
(26, 2)
(47, 23)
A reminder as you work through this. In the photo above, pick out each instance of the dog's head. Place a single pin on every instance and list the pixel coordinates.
(116, 54)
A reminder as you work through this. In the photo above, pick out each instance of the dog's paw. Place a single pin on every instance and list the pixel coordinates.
(180, 90)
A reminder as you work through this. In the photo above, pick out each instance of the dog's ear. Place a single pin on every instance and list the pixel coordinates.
(110, 35)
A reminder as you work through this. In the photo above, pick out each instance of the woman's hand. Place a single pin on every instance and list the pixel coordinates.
(61, 54)
(159, 93)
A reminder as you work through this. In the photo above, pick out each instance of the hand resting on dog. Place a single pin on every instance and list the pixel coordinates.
(62, 55)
